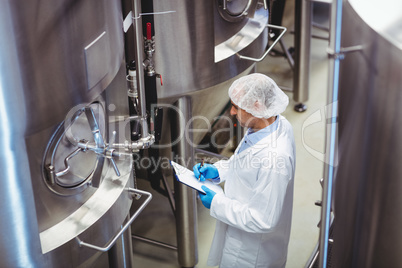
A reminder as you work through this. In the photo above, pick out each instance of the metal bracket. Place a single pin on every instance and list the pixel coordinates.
(52, 174)
(344, 50)
(124, 228)
(284, 29)
(67, 165)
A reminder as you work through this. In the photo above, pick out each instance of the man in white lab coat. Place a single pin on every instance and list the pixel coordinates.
(254, 213)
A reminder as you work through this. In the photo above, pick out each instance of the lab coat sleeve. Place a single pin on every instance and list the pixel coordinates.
(261, 212)
(223, 167)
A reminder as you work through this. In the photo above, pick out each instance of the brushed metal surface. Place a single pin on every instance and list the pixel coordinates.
(91, 211)
(251, 30)
(44, 73)
(186, 206)
(385, 19)
(95, 65)
(50, 39)
(368, 198)
(302, 44)
(185, 43)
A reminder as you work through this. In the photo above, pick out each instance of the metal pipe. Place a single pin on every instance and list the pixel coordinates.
(142, 143)
(313, 258)
(139, 50)
(331, 135)
(121, 254)
(265, 4)
(154, 242)
(326, 38)
(303, 11)
(319, 26)
(169, 193)
(225, 4)
(284, 88)
(186, 207)
(288, 55)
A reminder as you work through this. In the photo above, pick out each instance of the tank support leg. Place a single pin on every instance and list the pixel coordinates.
(303, 24)
(120, 255)
(186, 206)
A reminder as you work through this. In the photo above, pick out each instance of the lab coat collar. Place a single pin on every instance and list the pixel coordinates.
(263, 143)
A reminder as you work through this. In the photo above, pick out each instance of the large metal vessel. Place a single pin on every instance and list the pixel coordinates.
(196, 45)
(62, 95)
(199, 49)
(367, 188)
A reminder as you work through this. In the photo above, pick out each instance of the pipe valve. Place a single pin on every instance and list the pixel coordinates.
(149, 49)
(143, 143)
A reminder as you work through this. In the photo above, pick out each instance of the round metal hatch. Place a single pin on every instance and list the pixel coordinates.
(234, 10)
(67, 168)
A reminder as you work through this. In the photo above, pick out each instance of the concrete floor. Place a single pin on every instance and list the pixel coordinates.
(157, 220)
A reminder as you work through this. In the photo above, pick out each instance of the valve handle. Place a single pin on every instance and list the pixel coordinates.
(116, 170)
(160, 77)
(100, 144)
(149, 35)
(110, 154)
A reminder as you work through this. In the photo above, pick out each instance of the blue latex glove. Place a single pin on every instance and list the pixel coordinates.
(206, 199)
(207, 171)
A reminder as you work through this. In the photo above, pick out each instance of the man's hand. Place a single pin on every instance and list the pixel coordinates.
(206, 198)
(207, 171)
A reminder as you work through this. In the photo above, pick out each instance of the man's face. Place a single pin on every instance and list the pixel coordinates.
(245, 119)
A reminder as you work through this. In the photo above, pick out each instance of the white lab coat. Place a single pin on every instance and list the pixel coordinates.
(254, 215)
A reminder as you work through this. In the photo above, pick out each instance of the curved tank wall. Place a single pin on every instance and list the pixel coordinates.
(191, 51)
(368, 198)
(58, 55)
(197, 48)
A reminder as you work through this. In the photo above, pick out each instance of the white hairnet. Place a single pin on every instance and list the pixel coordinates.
(258, 95)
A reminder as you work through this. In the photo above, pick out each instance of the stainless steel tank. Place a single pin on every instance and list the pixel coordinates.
(62, 95)
(198, 47)
(367, 199)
